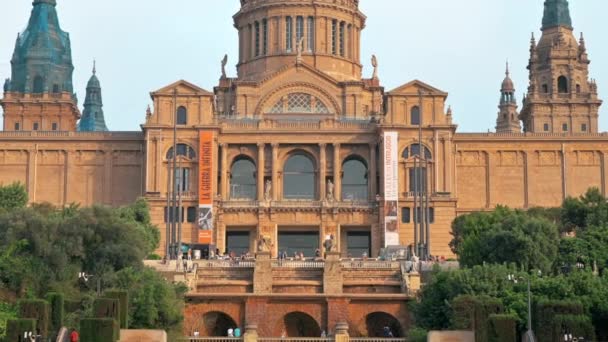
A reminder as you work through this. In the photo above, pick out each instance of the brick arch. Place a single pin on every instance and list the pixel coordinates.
(273, 96)
(377, 322)
(298, 324)
(360, 310)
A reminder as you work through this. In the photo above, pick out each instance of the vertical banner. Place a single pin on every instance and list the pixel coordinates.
(205, 187)
(391, 188)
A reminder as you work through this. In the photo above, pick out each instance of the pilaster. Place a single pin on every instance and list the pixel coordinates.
(322, 171)
(337, 173)
(224, 172)
(275, 168)
(372, 176)
(260, 173)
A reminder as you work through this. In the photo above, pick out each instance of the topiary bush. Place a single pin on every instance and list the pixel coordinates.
(106, 308)
(99, 330)
(502, 328)
(16, 327)
(57, 312)
(472, 312)
(547, 325)
(37, 309)
(123, 300)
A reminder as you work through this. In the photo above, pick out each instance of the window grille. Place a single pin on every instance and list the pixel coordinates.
(334, 32)
(265, 33)
(299, 103)
(257, 38)
(342, 25)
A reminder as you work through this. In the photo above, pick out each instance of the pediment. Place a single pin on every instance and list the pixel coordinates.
(301, 70)
(412, 88)
(183, 88)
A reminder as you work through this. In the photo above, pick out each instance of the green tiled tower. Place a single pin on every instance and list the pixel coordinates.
(92, 117)
(556, 13)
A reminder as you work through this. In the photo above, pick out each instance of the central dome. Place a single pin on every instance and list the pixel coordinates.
(325, 33)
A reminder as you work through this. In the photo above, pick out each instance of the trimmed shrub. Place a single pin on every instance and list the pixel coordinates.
(472, 312)
(57, 312)
(551, 316)
(503, 328)
(417, 335)
(37, 309)
(70, 306)
(16, 327)
(106, 308)
(123, 300)
(463, 308)
(99, 330)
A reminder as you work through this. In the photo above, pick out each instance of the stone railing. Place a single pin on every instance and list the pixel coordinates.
(225, 263)
(211, 339)
(370, 264)
(58, 134)
(298, 263)
(376, 339)
(295, 339)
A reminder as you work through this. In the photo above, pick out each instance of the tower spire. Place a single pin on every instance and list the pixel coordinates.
(94, 67)
(557, 13)
(92, 117)
(508, 118)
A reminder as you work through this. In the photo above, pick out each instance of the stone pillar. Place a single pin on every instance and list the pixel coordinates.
(261, 163)
(224, 181)
(337, 173)
(275, 171)
(32, 156)
(251, 333)
(372, 172)
(332, 274)
(262, 274)
(342, 332)
(413, 282)
(322, 171)
(337, 312)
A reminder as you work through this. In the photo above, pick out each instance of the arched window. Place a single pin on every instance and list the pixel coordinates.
(299, 103)
(55, 88)
(415, 116)
(354, 180)
(342, 38)
(334, 36)
(562, 85)
(265, 36)
(242, 179)
(310, 44)
(299, 178)
(578, 88)
(257, 38)
(38, 85)
(545, 89)
(288, 34)
(182, 115)
(182, 150)
(299, 28)
(414, 150)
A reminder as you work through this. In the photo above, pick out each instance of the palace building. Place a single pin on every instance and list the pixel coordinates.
(301, 146)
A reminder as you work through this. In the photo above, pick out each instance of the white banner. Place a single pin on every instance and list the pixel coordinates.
(391, 188)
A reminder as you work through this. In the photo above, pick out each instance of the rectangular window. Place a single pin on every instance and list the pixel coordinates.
(17, 126)
(311, 35)
(430, 214)
(237, 242)
(334, 33)
(296, 242)
(54, 126)
(565, 127)
(35, 127)
(405, 215)
(546, 127)
(358, 244)
(182, 179)
(172, 215)
(257, 38)
(583, 127)
(299, 29)
(342, 42)
(265, 32)
(288, 34)
(417, 179)
(191, 214)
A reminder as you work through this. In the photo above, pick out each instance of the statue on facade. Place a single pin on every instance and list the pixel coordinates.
(328, 244)
(330, 190)
(264, 244)
(375, 65)
(224, 62)
(299, 49)
(268, 190)
(7, 85)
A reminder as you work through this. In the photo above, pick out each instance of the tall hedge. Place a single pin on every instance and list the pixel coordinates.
(106, 308)
(99, 330)
(552, 315)
(472, 312)
(123, 299)
(503, 328)
(16, 327)
(57, 312)
(37, 309)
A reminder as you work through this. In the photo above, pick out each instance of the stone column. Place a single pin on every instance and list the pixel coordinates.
(372, 172)
(337, 173)
(261, 163)
(224, 172)
(262, 274)
(332, 274)
(322, 171)
(342, 332)
(251, 333)
(275, 171)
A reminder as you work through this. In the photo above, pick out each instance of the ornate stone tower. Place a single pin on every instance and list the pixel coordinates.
(92, 116)
(561, 98)
(508, 119)
(39, 95)
(326, 32)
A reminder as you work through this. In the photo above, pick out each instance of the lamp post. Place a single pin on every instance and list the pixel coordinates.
(529, 336)
(85, 277)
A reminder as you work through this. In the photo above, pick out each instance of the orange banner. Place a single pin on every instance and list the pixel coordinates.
(205, 188)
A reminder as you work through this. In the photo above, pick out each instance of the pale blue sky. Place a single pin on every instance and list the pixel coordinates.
(457, 46)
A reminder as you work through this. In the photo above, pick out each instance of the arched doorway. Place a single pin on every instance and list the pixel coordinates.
(376, 322)
(216, 324)
(299, 324)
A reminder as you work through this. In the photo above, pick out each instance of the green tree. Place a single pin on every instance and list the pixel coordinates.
(13, 196)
